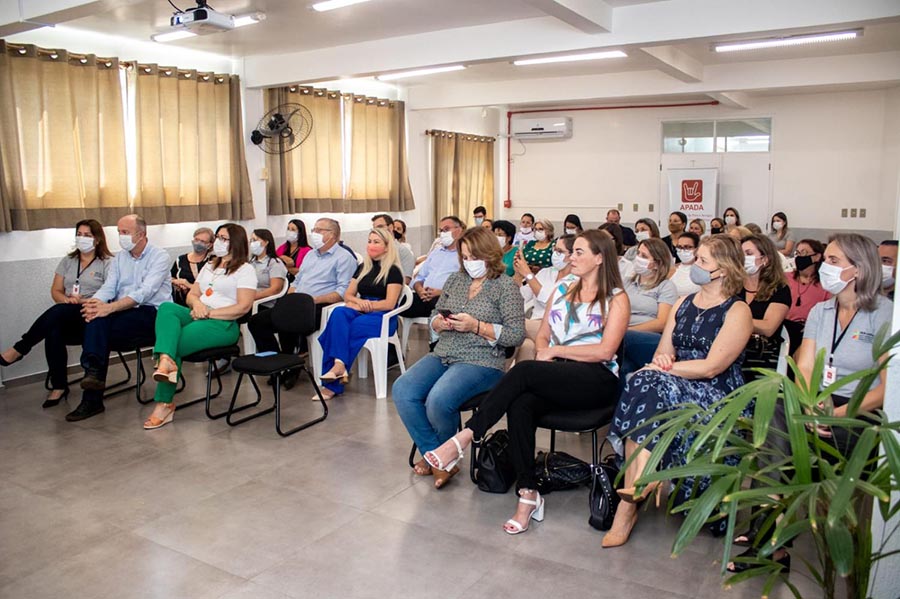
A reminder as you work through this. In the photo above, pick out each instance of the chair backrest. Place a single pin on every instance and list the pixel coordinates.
(782, 366)
(295, 313)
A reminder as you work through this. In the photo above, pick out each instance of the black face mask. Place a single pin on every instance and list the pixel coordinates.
(803, 262)
(398, 235)
(715, 230)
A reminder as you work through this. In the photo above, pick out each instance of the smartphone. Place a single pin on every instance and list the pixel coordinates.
(445, 313)
(265, 354)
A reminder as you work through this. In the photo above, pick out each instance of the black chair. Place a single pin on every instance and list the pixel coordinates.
(77, 379)
(578, 421)
(211, 356)
(471, 405)
(294, 313)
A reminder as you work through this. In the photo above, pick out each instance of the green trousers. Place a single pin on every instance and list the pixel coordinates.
(177, 335)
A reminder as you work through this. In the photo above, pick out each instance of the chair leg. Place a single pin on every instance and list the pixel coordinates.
(379, 365)
(398, 348)
(211, 369)
(209, 398)
(232, 410)
(552, 440)
(109, 392)
(594, 449)
(141, 378)
(306, 424)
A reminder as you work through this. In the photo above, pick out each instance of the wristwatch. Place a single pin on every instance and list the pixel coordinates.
(529, 277)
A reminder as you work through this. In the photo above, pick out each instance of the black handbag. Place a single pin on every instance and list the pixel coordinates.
(493, 468)
(603, 497)
(558, 471)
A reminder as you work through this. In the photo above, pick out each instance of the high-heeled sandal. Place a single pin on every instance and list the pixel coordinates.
(441, 478)
(512, 527)
(330, 377)
(435, 462)
(162, 376)
(153, 422)
(49, 403)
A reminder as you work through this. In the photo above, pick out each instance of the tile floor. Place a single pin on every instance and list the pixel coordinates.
(198, 510)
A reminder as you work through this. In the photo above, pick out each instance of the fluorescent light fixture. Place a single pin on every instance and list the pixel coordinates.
(793, 40)
(419, 72)
(333, 4)
(251, 19)
(571, 58)
(171, 36)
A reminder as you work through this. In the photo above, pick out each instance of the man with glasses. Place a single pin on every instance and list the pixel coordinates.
(440, 264)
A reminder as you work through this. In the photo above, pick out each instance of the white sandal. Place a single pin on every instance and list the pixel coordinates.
(537, 514)
(435, 462)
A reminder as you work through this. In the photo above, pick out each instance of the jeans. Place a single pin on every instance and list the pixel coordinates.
(639, 349)
(429, 394)
(60, 325)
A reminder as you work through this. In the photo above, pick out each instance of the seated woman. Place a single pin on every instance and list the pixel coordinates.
(697, 227)
(806, 290)
(537, 253)
(651, 295)
(188, 266)
(716, 226)
(78, 276)
(479, 314)
(506, 232)
(769, 297)
(575, 369)
(678, 222)
(572, 225)
(781, 236)
(223, 292)
(680, 275)
(271, 273)
(374, 289)
(539, 288)
(294, 249)
(732, 219)
(698, 360)
(644, 228)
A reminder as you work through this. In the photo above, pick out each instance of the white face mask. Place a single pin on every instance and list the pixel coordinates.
(777, 225)
(475, 268)
(558, 259)
(446, 238)
(257, 248)
(571, 231)
(686, 256)
(84, 244)
(126, 242)
(292, 236)
(887, 276)
(540, 235)
(730, 220)
(641, 265)
(502, 241)
(478, 221)
(316, 240)
(750, 265)
(220, 247)
(642, 235)
(525, 230)
(830, 277)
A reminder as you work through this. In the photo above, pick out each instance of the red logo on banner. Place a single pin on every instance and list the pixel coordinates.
(692, 191)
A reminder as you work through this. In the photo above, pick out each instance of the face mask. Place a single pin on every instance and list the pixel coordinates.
(316, 240)
(398, 235)
(750, 265)
(446, 238)
(830, 276)
(540, 235)
(126, 242)
(887, 276)
(220, 248)
(475, 268)
(803, 262)
(525, 230)
(200, 247)
(715, 230)
(571, 231)
(257, 248)
(84, 244)
(777, 225)
(375, 251)
(642, 235)
(478, 221)
(641, 265)
(730, 220)
(502, 241)
(558, 259)
(701, 276)
(292, 236)
(686, 256)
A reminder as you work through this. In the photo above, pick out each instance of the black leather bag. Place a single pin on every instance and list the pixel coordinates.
(493, 468)
(603, 497)
(558, 471)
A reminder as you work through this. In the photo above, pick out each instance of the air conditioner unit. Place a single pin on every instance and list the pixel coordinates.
(542, 128)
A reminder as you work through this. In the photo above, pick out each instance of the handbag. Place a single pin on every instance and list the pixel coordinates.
(558, 471)
(603, 497)
(493, 468)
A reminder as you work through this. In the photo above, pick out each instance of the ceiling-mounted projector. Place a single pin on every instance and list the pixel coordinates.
(202, 20)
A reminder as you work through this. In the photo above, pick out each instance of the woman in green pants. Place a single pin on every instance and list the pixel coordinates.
(223, 292)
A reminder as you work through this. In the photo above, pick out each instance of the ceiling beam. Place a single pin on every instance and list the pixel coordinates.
(676, 63)
(731, 99)
(18, 17)
(589, 16)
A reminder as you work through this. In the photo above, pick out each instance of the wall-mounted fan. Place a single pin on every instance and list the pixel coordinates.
(283, 128)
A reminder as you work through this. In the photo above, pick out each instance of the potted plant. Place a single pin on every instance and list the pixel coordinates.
(813, 492)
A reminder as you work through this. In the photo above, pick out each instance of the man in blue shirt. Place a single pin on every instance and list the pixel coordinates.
(124, 309)
(440, 264)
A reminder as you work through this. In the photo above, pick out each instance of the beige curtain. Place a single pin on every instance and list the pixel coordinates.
(190, 146)
(309, 178)
(62, 139)
(379, 172)
(463, 167)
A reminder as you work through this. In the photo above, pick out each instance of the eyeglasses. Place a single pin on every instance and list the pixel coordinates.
(320, 230)
(222, 238)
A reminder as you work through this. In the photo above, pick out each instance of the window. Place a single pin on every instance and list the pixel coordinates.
(691, 136)
(748, 135)
(739, 135)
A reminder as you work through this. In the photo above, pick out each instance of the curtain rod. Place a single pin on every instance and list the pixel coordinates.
(335, 94)
(465, 136)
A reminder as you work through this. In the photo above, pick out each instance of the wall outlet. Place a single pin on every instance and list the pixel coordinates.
(635, 207)
(620, 206)
(853, 213)
(650, 207)
(843, 213)
(862, 212)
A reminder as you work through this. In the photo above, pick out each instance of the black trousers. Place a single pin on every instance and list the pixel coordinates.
(532, 389)
(263, 332)
(419, 308)
(60, 325)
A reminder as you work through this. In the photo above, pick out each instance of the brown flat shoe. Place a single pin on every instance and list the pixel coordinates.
(441, 478)
(422, 468)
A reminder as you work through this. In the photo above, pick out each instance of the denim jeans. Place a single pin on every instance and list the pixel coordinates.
(429, 394)
(639, 349)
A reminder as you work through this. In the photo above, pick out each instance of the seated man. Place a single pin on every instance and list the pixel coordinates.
(407, 260)
(324, 274)
(440, 264)
(123, 309)
(628, 236)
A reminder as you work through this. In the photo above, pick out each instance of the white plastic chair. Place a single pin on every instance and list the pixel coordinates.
(405, 324)
(782, 367)
(249, 343)
(312, 341)
(378, 347)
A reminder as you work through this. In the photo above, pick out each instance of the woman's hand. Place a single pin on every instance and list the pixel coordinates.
(181, 284)
(520, 265)
(364, 305)
(547, 354)
(199, 310)
(74, 299)
(440, 324)
(464, 323)
(663, 362)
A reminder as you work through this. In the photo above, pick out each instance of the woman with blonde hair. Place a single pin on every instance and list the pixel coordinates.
(698, 360)
(374, 289)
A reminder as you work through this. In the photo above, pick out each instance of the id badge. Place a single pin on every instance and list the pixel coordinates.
(829, 375)
(76, 289)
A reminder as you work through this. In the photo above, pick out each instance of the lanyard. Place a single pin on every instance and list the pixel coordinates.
(835, 340)
(81, 270)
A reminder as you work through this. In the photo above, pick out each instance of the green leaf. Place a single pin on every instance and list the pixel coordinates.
(764, 409)
(840, 546)
(892, 452)
(708, 501)
(797, 433)
(840, 502)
